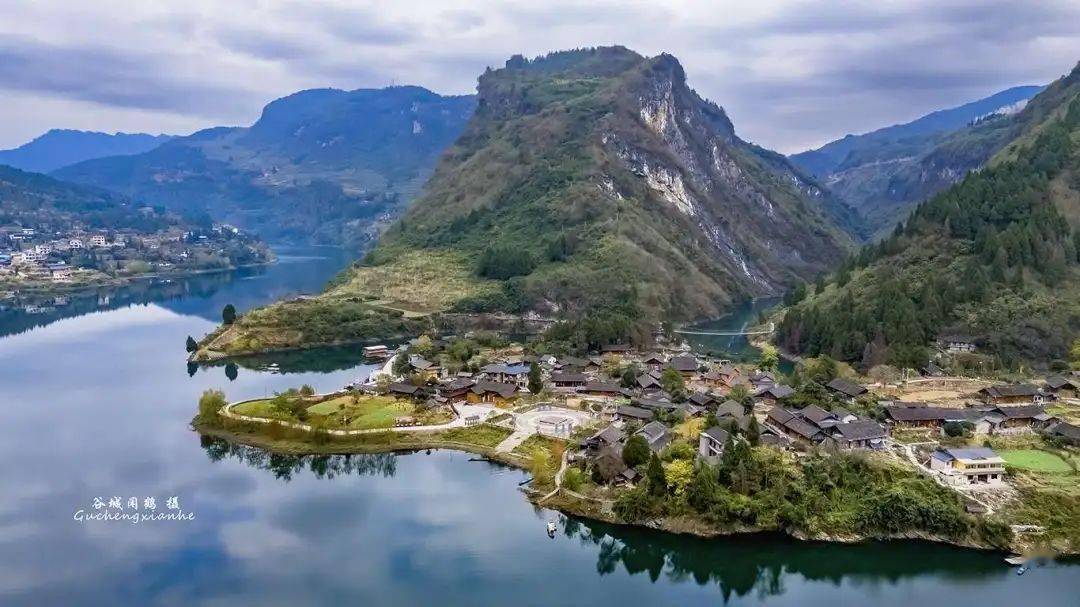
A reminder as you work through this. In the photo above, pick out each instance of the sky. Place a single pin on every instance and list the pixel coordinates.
(791, 74)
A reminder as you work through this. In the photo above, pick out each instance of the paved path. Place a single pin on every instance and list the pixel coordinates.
(511, 442)
(463, 411)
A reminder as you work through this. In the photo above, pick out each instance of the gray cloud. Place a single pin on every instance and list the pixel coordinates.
(109, 77)
(791, 73)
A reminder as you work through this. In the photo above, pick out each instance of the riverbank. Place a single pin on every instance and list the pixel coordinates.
(39, 290)
(290, 441)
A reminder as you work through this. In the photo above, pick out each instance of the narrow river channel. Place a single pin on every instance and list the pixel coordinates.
(96, 399)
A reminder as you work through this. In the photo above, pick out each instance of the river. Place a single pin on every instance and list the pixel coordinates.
(97, 405)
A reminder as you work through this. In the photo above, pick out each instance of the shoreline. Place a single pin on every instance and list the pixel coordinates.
(123, 281)
(559, 500)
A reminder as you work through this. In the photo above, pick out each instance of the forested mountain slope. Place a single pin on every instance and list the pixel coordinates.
(885, 173)
(995, 257)
(596, 180)
(321, 165)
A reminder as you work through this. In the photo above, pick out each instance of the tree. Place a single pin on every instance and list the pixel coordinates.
(679, 473)
(753, 432)
(1074, 354)
(629, 376)
(307, 391)
(822, 369)
(401, 364)
(672, 382)
(210, 404)
(228, 314)
(702, 490)
(536, 382)
(741, 394)
(231, 371)
(424, 346)
(655, 477)
(636, 451)
(192, 345)
(539, 466)
(770, 358)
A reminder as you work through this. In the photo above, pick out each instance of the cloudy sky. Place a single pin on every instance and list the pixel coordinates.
(792, 74)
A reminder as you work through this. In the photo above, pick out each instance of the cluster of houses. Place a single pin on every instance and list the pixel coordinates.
(30, 254)
(644, 408)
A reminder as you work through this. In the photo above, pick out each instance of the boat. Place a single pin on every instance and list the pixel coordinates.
(551, 529)
(1022, 570)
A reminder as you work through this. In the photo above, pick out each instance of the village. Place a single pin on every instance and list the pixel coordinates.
(60, 260)
(603, 419)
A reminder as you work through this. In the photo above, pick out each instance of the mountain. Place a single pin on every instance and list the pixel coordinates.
(595, 182)
(995, 257)
(885, 173)
(321, 165)
(61, 147)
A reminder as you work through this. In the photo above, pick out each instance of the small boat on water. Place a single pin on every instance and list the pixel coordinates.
(551, 529)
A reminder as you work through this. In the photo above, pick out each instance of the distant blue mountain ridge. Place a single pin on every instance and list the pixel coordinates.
(62, 147)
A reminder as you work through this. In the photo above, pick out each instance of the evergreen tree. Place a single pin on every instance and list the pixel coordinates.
(753, 432)
(536, 382)
(654, 474)
(192, 345)
(228, 314)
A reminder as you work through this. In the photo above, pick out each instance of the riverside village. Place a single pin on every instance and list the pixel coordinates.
(687, 442)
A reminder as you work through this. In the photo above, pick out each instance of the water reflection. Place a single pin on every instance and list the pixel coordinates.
(298, 270)
(285, 466)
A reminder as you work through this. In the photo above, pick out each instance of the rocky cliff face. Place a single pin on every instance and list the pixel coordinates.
(617, 180)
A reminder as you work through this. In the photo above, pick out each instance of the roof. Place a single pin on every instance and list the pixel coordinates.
(920, 413)
(1058, 382)
(652, 357)
(609, 436)
(1065, 429)
(570, 361)
(654, 403)
(780, 415)
(802, 428)
(635, 412)
(730, 408)
(1008, 390)
(1021, 411)
(701, 398)
(817, 415)
(422, 363)
(968, 453)
(860, 429)
(568, 377)
(775, 390)
(683, 364)
(403, 388)
(459, 383)
(646, 381)
(503, 390)
(653, 430)
(844, 386)
(717, 434)
(599, 386)
(728, 369)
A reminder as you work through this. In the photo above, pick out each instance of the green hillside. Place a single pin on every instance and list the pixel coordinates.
(598, 180)
(596, 187)
(323, 165)
(994, 257)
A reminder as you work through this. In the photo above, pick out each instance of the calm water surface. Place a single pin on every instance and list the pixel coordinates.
(97, 404)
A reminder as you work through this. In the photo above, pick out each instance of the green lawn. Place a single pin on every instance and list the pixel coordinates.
(259, 408)
(1033, 459)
